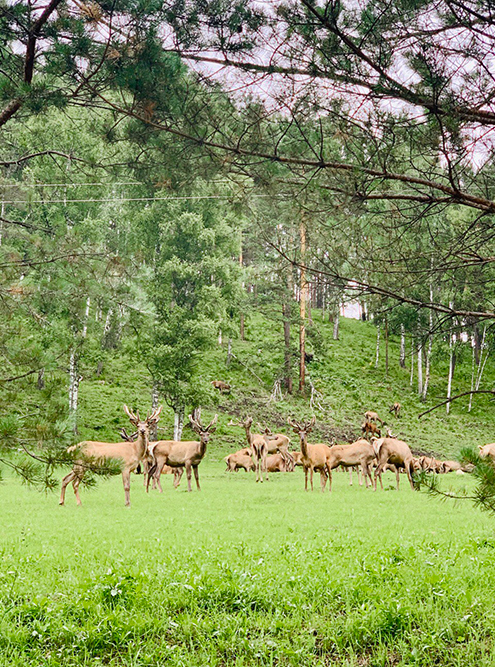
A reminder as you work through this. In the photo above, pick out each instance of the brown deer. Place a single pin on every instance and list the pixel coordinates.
(185, 454)
(372, 417)
(278, 443)
(238, 460)
(397, 453)
(147, 462)
(129, 453)
(370, 429)
(221, 386)
(395, 408)
(359, 453)
(257, 445)
(314, 457)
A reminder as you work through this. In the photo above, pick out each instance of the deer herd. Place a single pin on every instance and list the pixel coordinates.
(266, 452)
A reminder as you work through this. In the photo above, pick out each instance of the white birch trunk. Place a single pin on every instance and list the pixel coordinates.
(2, 214)
(377, 357)
(428, 349)
(229, 351)
(402, 355)
(86, 316)
(336, 325)
(178, 424)
(220, 337)
(451, 369)
(480, 369)
(472, 377)
(420, 369)
(411, 376)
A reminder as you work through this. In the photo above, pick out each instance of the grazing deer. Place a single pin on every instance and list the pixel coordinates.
(129, 453)
(313, 457)
(395, 408)
(258, 447)
(221, 386)
(372, 417)
(369, 428)
(397, 453)
(186, 454)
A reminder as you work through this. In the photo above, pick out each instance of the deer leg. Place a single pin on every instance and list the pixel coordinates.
(145, 473)
(409, 474)
(188, 474)
(155, 475)
(329, 471)
(311, 471)
(378, 473)
(265, 467)
(126, 479)
(397, 476)
(305, 478)
(323, 480)
(350, 476)
(75, 485)
(66, 480)
(196, 477)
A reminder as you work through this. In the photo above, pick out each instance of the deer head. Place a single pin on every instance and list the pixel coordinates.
(143, 427)
(302, 428)
(204, 432)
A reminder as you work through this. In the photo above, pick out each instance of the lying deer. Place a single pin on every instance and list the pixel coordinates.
(313, 457)
(129, 453)
(185, 454)
(238, 460)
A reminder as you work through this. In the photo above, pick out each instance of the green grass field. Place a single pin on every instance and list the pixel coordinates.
(246, 574)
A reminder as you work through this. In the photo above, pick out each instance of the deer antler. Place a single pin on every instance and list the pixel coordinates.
(133, 417)
(154, 416)
(212, 425)
(125, 436)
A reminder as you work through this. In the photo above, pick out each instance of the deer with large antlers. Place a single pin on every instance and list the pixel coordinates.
(182, 454)
(313, 457)
(257, 445)
(130, 454)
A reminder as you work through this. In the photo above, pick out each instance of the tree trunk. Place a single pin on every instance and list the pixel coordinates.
(153, 437)
(178, 423)
(377, 356)
(386, 347)
(402, 355)
(287, 350)
(229, 352)
(41, 379)
(336, 325)
(302, 310)
(241, 263)
(411, 376)
(428, 349)
(420, 368)
(74, 380)
(220, 337)
(451, 370)
(480, 367)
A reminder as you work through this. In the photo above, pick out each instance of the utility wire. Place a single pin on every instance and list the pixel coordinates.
(125, 199)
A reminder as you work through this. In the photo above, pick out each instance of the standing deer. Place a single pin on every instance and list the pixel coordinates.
(373, 417)
(278, 443)
(395, 408)
(129, 453)
(257, 445)
(313, 457)
(186, 454)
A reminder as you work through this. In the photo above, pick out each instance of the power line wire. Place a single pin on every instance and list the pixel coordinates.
(126, 199)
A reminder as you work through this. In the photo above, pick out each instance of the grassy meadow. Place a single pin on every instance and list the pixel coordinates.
(245, 574)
